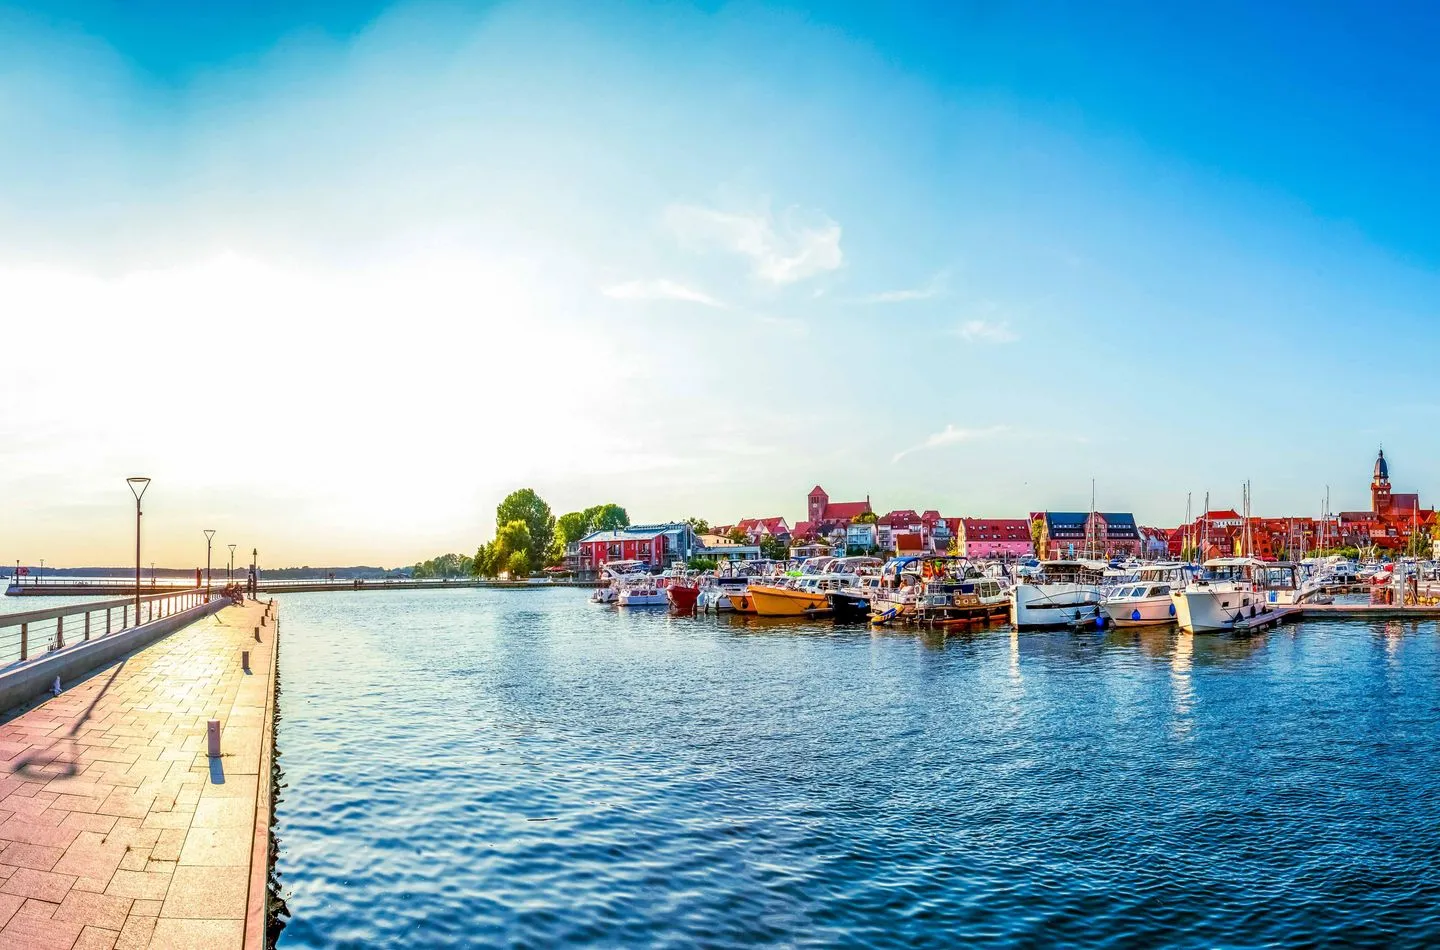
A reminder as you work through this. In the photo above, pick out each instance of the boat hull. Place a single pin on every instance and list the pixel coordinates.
(652, 598)
(1142, 612)
(963, 614)
(1211, 610)
(682, 598)
(785, 602)
(848, 606)
(1053, 605)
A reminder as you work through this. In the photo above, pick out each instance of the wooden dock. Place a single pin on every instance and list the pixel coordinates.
(1296, 614)
(116, 827)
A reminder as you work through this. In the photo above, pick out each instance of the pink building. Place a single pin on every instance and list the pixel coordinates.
(995, 537)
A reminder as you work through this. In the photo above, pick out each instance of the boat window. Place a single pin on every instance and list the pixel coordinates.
(1160, 590)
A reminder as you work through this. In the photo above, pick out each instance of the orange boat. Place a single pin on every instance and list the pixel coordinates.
(742, 603)
(803, 600)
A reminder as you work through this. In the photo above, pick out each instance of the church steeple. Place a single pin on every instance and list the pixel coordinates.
(1380, 485)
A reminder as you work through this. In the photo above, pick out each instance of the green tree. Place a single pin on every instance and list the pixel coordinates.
(511, 537)
(698, 525)
(518, 565)
(527, 507)
(700, 563)
(738, 536)
(609, 517)
(483, 564)
(571, 527)
(774, 548)
(865, 517)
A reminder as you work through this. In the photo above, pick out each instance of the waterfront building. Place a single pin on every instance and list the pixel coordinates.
(1067, 534)
(758, 529)
(995, 537)
(654, 544)
(861, 536)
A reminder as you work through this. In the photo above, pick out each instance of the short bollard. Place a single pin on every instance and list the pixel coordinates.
(245, 660)
(212, 736)
(262, 620)
(257, 634)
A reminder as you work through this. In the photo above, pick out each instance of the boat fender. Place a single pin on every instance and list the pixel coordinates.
(1135, 614)
(1099, 621)
(1172, 610)
(1252, 610)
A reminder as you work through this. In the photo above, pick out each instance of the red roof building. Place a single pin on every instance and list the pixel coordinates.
(995, 537)
(758, 528)
(825, 515)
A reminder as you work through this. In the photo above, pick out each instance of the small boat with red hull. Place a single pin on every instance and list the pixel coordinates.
(683, 594)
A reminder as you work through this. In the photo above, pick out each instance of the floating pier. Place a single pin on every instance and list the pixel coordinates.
(1295, 614)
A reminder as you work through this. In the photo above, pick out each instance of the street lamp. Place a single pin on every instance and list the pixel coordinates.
(138, 484)
(230, 576)
(209, 536)
(255, 571)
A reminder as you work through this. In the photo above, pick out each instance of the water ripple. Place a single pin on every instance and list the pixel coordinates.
(472, 767)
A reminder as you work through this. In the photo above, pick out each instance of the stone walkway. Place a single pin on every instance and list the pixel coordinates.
(116, 829)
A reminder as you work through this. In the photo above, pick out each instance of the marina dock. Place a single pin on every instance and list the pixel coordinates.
(117, 829)
(1295, 614)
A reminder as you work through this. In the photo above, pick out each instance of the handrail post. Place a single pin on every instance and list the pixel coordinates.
(87, 625)
(107, 621)
(24, 641)
(59, 632)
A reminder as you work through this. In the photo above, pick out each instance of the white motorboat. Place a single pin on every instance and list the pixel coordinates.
(716, 592)
(616, 574)
(1058, 594)
(1235, 589)
(646, 591)
(1146, 601)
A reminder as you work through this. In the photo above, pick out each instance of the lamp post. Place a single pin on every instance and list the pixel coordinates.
(255, 571)
(230, 575)
(138, 484)
(42, 570)
(209, 536)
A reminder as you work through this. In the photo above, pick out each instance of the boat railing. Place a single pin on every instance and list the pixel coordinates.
(31, 634)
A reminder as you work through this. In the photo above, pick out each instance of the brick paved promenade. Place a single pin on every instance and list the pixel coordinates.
(116, 829)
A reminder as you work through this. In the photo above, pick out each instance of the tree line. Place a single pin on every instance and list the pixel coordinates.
(528, 537)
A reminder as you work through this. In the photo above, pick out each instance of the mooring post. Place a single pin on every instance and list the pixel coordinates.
(245, 660)
(212, 737)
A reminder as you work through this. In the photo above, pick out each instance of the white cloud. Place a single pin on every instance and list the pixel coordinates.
(952, 436)
(660, 289)
(934, 287)
(987, 331)
(781, 252)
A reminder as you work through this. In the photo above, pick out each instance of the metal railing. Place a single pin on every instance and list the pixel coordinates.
(34, 633)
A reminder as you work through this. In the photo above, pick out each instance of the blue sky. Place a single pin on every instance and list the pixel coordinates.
(695, 258)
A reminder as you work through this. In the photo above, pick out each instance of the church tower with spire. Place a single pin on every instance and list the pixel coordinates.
(1380, 486)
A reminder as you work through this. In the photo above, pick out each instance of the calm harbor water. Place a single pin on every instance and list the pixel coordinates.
(523, 768)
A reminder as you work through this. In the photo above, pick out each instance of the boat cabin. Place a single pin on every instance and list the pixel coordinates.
(1072, 572)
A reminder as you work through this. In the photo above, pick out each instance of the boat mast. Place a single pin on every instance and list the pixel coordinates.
(1189, 532)
(1207, 526)
(1091, 535)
